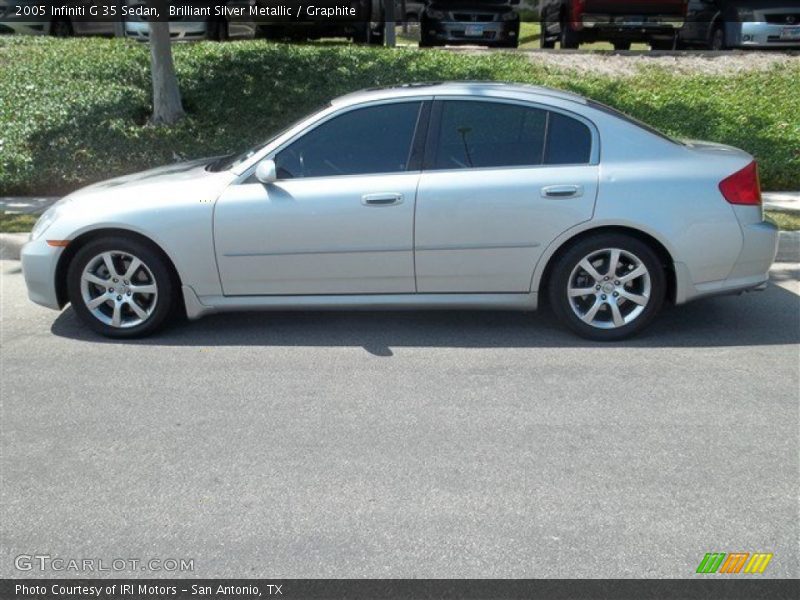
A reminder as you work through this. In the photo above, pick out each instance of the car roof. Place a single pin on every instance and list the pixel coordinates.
(456, 88)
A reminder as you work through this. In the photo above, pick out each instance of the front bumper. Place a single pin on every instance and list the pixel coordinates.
(763, 35)
(178, 30)
(468, 32)
(39, 262)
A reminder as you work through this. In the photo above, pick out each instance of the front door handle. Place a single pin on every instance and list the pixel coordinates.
(381, 199)
(562, 191)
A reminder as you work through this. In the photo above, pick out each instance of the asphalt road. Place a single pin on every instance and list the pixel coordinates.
(460, 444)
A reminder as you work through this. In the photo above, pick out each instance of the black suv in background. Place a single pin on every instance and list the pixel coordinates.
(483, 22)
(722, 24)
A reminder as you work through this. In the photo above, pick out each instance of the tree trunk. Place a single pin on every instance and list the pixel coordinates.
(167, 106)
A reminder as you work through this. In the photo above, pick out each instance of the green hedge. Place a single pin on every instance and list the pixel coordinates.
(75, 111)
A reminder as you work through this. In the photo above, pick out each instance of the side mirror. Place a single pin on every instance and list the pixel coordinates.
(265, 171)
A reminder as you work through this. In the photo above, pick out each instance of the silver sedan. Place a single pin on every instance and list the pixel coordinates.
(453, 195)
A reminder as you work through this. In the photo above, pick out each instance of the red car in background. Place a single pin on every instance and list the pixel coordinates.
(621, 22)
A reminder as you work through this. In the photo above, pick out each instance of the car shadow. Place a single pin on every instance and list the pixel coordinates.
(771, 317)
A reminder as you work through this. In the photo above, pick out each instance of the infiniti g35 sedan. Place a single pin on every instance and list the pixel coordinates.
(450, 195)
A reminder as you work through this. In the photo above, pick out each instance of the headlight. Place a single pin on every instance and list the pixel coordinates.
(745, 14)
(509, 16)
(44, 222)
(436, 14)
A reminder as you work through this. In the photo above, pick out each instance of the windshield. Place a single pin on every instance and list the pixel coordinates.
(229, 161)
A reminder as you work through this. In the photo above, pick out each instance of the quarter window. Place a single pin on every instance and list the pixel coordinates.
(475, 134)
(376, 139)
(569, 142)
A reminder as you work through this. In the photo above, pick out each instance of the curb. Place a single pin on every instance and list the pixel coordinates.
(788, 246)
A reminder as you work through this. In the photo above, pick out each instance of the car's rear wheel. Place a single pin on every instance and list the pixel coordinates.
(621, 46)
(607, 286)
(120, 287)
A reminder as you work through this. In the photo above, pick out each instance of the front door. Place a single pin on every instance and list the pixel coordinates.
(340, 218)
(501, 181)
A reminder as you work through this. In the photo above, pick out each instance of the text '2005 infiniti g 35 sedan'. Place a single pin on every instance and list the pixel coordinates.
(452, 195)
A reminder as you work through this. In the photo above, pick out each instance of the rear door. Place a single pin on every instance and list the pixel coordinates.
(502, 179)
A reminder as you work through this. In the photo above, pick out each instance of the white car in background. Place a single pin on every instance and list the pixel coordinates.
(452, 195)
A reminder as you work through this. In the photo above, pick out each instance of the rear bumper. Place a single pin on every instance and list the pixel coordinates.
(629, 28)
(39, 263)
(750, 273)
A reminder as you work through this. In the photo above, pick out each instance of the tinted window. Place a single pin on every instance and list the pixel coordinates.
(489, 134)
(366, 140)
(569, 142)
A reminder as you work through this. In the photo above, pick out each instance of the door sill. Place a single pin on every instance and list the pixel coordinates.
(196, 306)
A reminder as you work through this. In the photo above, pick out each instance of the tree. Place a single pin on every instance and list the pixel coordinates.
(167, 105)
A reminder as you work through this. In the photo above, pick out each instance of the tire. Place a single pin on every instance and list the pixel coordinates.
(568, 38)
(154, 304)
(616, 310)
(621, 46)
(717, 40)
(544, 41)
(61, 28)
(218, 30)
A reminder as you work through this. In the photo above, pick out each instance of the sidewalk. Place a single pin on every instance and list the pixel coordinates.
(36, 205)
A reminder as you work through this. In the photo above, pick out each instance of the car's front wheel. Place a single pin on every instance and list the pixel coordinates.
(120, 287)
(607, 286)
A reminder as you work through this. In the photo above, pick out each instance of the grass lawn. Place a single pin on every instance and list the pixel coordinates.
(785, 220)
(74, 111)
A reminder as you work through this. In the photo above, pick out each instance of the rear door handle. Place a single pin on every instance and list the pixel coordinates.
(381, 199)
(562, 191)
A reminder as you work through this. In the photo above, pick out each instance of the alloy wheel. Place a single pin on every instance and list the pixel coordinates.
(119, 289)
(609, 288)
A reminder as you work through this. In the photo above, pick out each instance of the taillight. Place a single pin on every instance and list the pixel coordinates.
(743, 186)
(577, 10)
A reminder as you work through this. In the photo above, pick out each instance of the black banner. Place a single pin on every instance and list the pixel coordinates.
(733, 588)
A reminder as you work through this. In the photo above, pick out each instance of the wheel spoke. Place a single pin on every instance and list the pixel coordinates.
(132, 268)
(613, 262)
(149, 288)
(140, 312)
(636, 298)
(616, 314)
(589, 268)
(588, 317)
(109, 261)
(581, 291)
(116, 318)
(92, 278)
(637, 272)
(95, 302)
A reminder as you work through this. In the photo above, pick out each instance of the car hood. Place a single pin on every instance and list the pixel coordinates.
(163, 184)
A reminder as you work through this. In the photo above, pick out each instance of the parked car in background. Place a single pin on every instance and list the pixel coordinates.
(37, 21)
(723, 24)
(451, 195)
(481, 22)
(621, 22)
